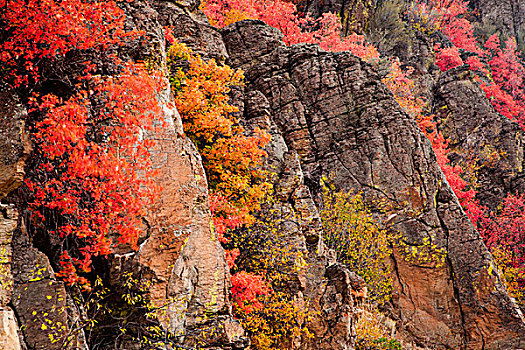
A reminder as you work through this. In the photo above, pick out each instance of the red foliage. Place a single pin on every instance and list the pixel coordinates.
(49, 29)
(507, 228)
(93, 164)
(500, 73)
(475, 64)
(246, 288)
(500, 68)
(453, 174)
(452, 21)
(448, 58)
(90, 179)
(504, 231)
(325, 31)
(506, 67)
(503, 102)
(225, 215)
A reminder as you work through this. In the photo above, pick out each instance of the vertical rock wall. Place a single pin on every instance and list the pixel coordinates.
(343, 122)
(507, 16)
(477, 133)
(180, 255)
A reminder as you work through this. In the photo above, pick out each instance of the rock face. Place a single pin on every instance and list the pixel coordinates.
(507, 16)
(333, 110)
(475, 131)
(15, 144)
(13, 147)
(330, 297)
(29, 293)
(323, 284)
(190, 26)
(180, 256)
(330, 117)
(8, 323)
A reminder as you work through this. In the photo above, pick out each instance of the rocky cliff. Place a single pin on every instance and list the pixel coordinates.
(343, 123)
(330, 117)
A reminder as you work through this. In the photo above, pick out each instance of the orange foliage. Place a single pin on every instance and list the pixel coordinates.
(232, 158)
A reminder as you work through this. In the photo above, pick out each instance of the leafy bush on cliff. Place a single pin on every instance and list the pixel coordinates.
(90, 175)
(359, 241)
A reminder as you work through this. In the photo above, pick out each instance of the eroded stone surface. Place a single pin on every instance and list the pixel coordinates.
(40, 300)
(8, 323)
(329, 298)
(477, 133)
(8, 330)
(190, 26)
(8, 223)
(14, 143)
(180, 254)
(343, 122)
(507, 16)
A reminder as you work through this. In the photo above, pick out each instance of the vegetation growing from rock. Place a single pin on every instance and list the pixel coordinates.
(231, 158)
(359, 241)
(233, 162)
(91, 177)
(498, 68)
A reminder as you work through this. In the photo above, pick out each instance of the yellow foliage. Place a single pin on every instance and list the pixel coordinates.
(510, 274)
(359, 241)
(371, 331)
(277, 323)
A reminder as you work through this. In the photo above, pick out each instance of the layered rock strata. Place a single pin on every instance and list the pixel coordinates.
(333, 110)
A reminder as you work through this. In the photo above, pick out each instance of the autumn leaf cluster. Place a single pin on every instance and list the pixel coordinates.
(90, 178)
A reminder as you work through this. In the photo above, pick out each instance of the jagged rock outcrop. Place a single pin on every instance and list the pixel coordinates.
(180, 255)
(333, 110)
(477, 133)
(44, 308)
(325, 286)
(190, 26)
(8, 324)
(506, 16)
(329, 116)
(13, 152)
(330, 296)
